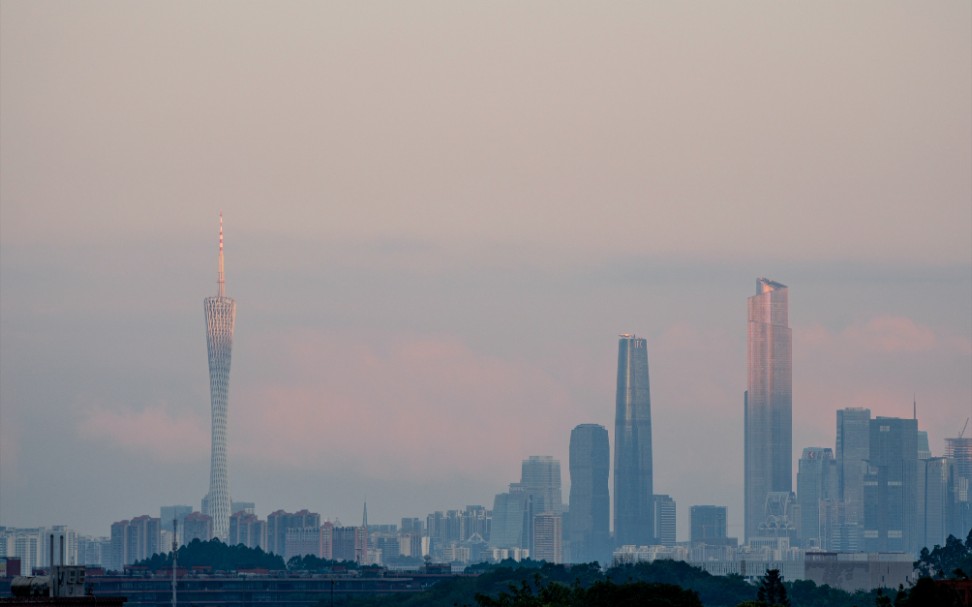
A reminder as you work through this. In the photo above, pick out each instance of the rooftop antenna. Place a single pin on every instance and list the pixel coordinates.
(914, 406)
(221, 280)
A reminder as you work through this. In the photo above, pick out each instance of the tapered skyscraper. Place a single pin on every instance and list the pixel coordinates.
(220, 319)
(768, 402)
(633, 490)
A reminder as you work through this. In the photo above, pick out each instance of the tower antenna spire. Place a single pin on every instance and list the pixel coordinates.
(221, 280)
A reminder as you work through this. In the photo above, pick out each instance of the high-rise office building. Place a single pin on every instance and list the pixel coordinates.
(768, 403)
(540, 479)
(633, 488)
(891, 487)
(589, 531)
(663, 528)
(816, 487)
(959, 450)
(938, 500)
(853, 449)
(708, 525)
(547, 537)
(510, 511)
(220, 320)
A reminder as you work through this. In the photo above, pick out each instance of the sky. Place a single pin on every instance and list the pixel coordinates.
(438, 218)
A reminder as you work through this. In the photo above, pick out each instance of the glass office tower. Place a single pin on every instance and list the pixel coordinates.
(768, 402)
(588, 530)
(633, 490)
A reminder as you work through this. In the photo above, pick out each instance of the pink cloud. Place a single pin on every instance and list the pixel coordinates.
(881, 363)
(153, 430)
(394, 405)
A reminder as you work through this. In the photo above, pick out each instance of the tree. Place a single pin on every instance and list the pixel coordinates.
(771, 590)
(952, 561)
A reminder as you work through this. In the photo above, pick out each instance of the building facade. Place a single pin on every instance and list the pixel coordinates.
(548, 537)
(664, 525)
(540, 479)
(853, 449)
(633, 487)
(768, 403)
(220, 322)
(891, 519)
(816, 488)
(708, 525)
(589, 531)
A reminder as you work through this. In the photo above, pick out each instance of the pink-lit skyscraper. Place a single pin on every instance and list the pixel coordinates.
(220, 320)
(768, 402)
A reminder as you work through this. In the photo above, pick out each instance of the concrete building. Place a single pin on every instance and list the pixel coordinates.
(548, 537)
(768, 404)
(247, 529)
(198, 526)
(279, 521)
(664, 524)
(633, 472)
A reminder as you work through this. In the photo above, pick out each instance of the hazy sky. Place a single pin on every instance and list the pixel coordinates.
(439, 216)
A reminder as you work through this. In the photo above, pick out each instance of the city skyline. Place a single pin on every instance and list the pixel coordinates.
(440, 218)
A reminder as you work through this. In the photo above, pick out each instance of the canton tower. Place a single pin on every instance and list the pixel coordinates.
(220, 318)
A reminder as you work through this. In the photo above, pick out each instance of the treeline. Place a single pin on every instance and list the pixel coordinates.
(216, 556)
(531, 584)
(951, 561)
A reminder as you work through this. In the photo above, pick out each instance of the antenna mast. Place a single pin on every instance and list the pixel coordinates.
(221, 280)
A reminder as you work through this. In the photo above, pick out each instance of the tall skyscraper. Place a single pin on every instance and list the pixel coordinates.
(589, 531)
(633, 489)
(768, 403)
(220, 320)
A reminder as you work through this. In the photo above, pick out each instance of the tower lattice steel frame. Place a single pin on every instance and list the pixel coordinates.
(220, 320)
